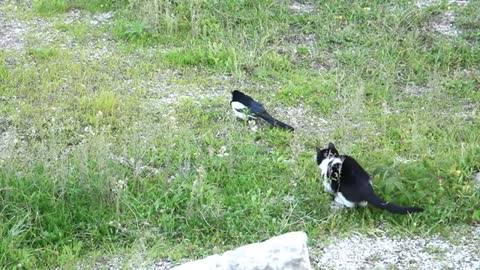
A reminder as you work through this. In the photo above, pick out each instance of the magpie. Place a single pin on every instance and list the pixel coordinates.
(246, 108)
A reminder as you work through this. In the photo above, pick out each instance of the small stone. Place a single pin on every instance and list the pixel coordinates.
(476, 181)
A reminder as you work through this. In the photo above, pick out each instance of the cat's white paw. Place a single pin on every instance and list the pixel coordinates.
(335, 206)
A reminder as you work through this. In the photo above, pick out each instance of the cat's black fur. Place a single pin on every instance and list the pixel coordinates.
(346, 179)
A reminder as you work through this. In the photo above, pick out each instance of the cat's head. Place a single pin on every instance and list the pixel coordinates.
(328, 152)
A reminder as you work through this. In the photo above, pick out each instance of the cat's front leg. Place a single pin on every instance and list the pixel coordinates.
(327, 185)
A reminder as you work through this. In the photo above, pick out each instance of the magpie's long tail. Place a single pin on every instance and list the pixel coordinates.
(274, 122)
(377, 202)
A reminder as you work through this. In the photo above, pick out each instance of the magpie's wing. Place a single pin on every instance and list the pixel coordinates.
(256, 107)
(258, 110)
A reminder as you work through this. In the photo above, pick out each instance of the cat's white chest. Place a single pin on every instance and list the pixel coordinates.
(327, 163)
(325, 167)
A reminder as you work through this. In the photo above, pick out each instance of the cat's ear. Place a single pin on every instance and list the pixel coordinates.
(331, 145)
(318, 149)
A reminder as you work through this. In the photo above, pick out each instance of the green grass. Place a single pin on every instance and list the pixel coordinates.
(52, 7)
(213, 56)
(79, 30)
(93, 161)
(3, 72)
(42, 54)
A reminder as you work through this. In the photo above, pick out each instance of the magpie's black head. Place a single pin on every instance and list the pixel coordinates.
(237, 94)
(241, 97)
(330, 151)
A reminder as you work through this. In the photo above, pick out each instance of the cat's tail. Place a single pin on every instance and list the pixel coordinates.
(274, 122)
(390, 207)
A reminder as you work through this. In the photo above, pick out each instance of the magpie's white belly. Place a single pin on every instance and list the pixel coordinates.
(239, 110)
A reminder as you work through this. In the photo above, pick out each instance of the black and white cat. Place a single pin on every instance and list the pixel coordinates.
(350, 183)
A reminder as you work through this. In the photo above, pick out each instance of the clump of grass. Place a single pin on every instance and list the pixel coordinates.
(56, 207)
(3, 72)
(51, 7)
(79, 30)
(213, 56)
(133, 31)
(318, 92)
(166, 16)
(201, 24)
(469, 27)
(101, 108)
(462, 86)
(275, 62)
(42, 53)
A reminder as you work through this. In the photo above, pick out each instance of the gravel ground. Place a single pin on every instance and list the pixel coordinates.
(365, 252)
(443, 23)
(11, 32)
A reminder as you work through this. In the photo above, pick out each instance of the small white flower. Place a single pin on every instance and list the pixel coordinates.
(222, 152)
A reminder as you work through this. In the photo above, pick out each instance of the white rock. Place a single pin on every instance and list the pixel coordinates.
(476, 181)
(287, 252)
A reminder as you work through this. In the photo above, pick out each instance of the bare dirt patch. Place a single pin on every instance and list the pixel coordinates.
(18, 34)
(172, 87)
(301, 118)
(304, 49)
(12, 33)
(167, 92)
(416, 90)
(301, 8)
(444, 24)
(429, 3)
(8, 140)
